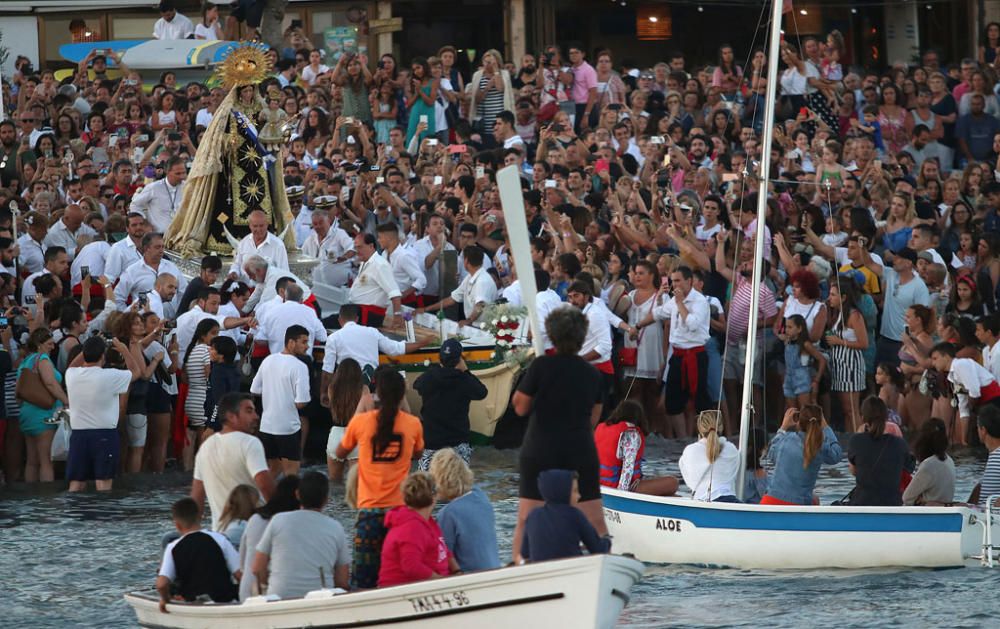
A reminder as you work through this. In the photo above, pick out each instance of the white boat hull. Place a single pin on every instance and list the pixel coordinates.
(588, 591)
(683, 531)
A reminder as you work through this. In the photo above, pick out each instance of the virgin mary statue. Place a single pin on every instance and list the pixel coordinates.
(233, 173)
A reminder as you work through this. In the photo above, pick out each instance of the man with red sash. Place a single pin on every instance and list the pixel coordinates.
(687, 367)
(597, 346)
(972, 384)
(375, 286)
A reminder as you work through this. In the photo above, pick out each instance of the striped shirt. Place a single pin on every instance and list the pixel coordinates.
(990, 485)
(739, 306)
(490, 106)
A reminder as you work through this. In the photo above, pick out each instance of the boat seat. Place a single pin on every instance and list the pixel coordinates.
(262, 599)
(324, 593)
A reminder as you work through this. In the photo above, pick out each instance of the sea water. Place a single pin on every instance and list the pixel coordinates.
(66, 560)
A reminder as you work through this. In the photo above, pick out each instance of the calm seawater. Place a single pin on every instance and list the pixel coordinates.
(66, 560)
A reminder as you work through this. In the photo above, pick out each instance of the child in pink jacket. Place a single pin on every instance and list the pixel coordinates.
(414, 548)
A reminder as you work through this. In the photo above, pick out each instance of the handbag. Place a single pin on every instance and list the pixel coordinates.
(32, 390)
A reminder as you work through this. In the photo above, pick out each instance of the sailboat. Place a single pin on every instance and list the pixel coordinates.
(685, 531)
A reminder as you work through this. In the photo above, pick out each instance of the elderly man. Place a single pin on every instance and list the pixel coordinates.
(140, 277)
(265, 275)
(334, 249)
(66, 230)
(375, 286)
(301, 222)
(160, 200)
(259, 242)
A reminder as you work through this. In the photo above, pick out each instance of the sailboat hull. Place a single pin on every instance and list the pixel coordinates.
(683, 531)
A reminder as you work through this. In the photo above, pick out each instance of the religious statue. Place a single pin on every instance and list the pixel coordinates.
(233, 172)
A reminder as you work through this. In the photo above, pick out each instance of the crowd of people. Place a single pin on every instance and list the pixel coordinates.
(878, 306)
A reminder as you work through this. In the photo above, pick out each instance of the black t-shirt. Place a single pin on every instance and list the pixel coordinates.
(201, 569)
(878, 465)
(564, 391)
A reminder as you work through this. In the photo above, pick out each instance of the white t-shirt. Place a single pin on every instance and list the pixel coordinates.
(224, 461)
(93, 396)
(282, 382)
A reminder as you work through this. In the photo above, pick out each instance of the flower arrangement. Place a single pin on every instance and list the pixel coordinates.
(502, 321)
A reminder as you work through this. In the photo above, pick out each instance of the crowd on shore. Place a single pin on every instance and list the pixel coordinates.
(878, 306)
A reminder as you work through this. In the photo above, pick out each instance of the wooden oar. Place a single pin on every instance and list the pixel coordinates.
(509, 182)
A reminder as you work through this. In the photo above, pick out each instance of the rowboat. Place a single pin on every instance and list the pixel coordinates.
(588, 591)
(684, 531)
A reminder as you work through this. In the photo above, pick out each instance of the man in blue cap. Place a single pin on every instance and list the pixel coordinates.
(447, 390)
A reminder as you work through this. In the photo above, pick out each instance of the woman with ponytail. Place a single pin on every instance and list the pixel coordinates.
(803, 443)
(710, 465)
(877, 459)
(388, 440)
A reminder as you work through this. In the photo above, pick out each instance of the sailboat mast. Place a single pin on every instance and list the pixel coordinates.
(746, 406)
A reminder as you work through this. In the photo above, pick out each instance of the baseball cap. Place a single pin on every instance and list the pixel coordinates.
(451, 352)
(907, 254)
(925, 255)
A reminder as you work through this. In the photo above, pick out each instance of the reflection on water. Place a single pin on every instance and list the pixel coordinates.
(66, 560)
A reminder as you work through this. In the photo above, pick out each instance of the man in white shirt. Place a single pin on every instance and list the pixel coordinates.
(231, 457)
(283, 384)
(160, 299)
(32, 243)
(988, 333)
(172, 25)
(56, 264)
(503, 131)
(476, 291)
(971, 384)
(66, 230)
(687, 367)
(259, 242)
(597, 345)
(301, 214)
(375, 286)
(407, 271)
(140, 276)
(126, 251)
(360, 343)
(546, 300)
(266, 277)
(93, 393)
(160, 200)
(205, 306)
(205, 114)
(292, 312)
(91, 255)
(334, 249)
(428, 250)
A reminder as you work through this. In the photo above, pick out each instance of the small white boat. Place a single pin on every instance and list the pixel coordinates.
(680, 530)
(588, 591)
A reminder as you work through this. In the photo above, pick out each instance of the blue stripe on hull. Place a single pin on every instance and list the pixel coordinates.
(707, 517)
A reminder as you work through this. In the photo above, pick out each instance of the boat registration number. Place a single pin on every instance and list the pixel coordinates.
(438, 602)
(612, 516)
(663, 524)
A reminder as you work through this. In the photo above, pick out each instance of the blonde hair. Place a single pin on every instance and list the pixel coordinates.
(418, 490)
(709, 427)
(240, 505)
(496, 55)
(451, 474)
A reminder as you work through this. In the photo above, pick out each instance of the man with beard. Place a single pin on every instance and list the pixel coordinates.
(698, 152)
(8, 153)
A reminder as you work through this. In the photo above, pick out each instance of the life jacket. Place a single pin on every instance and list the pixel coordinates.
(607, 437)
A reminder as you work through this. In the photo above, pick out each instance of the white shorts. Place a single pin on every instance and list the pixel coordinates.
(336, 436)
(135, 427)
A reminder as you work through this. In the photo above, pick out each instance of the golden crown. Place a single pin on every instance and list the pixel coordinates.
(245, 64)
